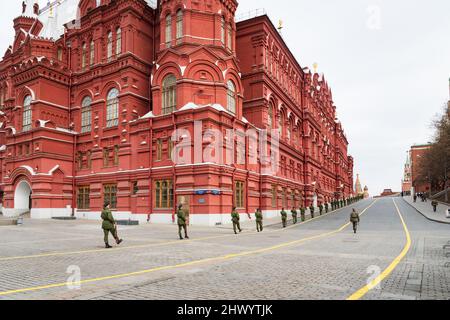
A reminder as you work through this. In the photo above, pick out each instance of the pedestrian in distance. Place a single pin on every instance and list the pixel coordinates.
(109, 226)
(284, 218)
(326, 207)
(294, 215)
(182, 222)
(321, 209)
(434, 204)
(311, 210)
(302, 214)
(259, 220)
(235, 218)
(415, 198)
(354, 219)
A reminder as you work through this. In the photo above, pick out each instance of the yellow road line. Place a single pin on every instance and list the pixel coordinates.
(364, 290)
(102, 250)
(187, 264)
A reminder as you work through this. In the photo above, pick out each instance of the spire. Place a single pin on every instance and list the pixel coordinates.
(29, 8)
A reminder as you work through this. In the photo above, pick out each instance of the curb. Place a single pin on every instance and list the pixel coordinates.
(423, 214)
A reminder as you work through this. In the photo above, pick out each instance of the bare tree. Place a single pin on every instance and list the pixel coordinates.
(435, 165)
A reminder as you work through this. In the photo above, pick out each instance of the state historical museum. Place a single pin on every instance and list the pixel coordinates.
(90, 102)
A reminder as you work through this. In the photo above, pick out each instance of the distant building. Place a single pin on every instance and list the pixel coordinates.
(359, 190)
(366, 192)
(412, 183)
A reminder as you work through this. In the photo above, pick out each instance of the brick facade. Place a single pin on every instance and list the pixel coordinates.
(90, 116)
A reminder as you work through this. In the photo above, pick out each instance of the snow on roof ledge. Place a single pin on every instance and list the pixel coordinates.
(148, 115)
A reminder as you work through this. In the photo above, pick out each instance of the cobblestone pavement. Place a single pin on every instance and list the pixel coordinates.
(315, 260)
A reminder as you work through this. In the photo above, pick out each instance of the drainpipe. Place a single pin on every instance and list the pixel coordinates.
(74, 136)
(174, 177)
(150, 169)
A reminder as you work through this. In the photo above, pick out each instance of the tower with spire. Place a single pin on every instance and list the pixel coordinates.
(358, 188)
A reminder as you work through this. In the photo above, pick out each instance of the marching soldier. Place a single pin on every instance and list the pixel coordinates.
(109, 226)
(236, 218)
(259, 220)
(302, 213)
(294, 215)
(182, 222)
(321, 209)
(284, 217)
(311, 209)
(326, 207)
(434, 204)
(354, 219)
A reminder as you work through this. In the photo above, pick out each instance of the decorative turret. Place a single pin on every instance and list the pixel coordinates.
(30, 11)
(358, 188)
(197, 56)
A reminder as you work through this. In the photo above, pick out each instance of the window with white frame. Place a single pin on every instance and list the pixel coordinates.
(86, 115)
(168, 30)
(179, 25)
(112, 108)
(109, 46)
(118, 41)
(27, 114)
(231, 97)
(169, 94)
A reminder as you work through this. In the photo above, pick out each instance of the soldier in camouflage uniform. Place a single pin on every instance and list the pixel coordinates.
(302, 214)
(311, 209)
(354, 219)
(182, 222)
(294, 215)
(321, 209)
(235, 218)
(109, 226)
(259, 220)
(284, 218)
(326, 207)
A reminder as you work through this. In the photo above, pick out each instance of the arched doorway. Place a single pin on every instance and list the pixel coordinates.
(22, 198)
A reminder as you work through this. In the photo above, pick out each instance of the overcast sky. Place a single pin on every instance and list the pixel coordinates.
(387, 62)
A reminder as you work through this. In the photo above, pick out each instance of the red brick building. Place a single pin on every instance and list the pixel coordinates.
(412, 182)
(89, 112)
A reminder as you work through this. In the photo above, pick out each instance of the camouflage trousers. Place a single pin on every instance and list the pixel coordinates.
(294, 219)
(259, 226)
(113, 233)
(236, 226)
(180, 228)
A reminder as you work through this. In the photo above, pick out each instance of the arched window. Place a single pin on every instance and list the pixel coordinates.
(60, 54)
(289, 131)
(112, 108)
(168, 31)
(231, 97)
(109, 46)
(118, 41)
(92, 55)
(230, 37)
(169, 94)
(83, 56)
(280, 125)
(222, 30)
(27, 115)
(270, 118)
(86, 115)
(179, 25)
